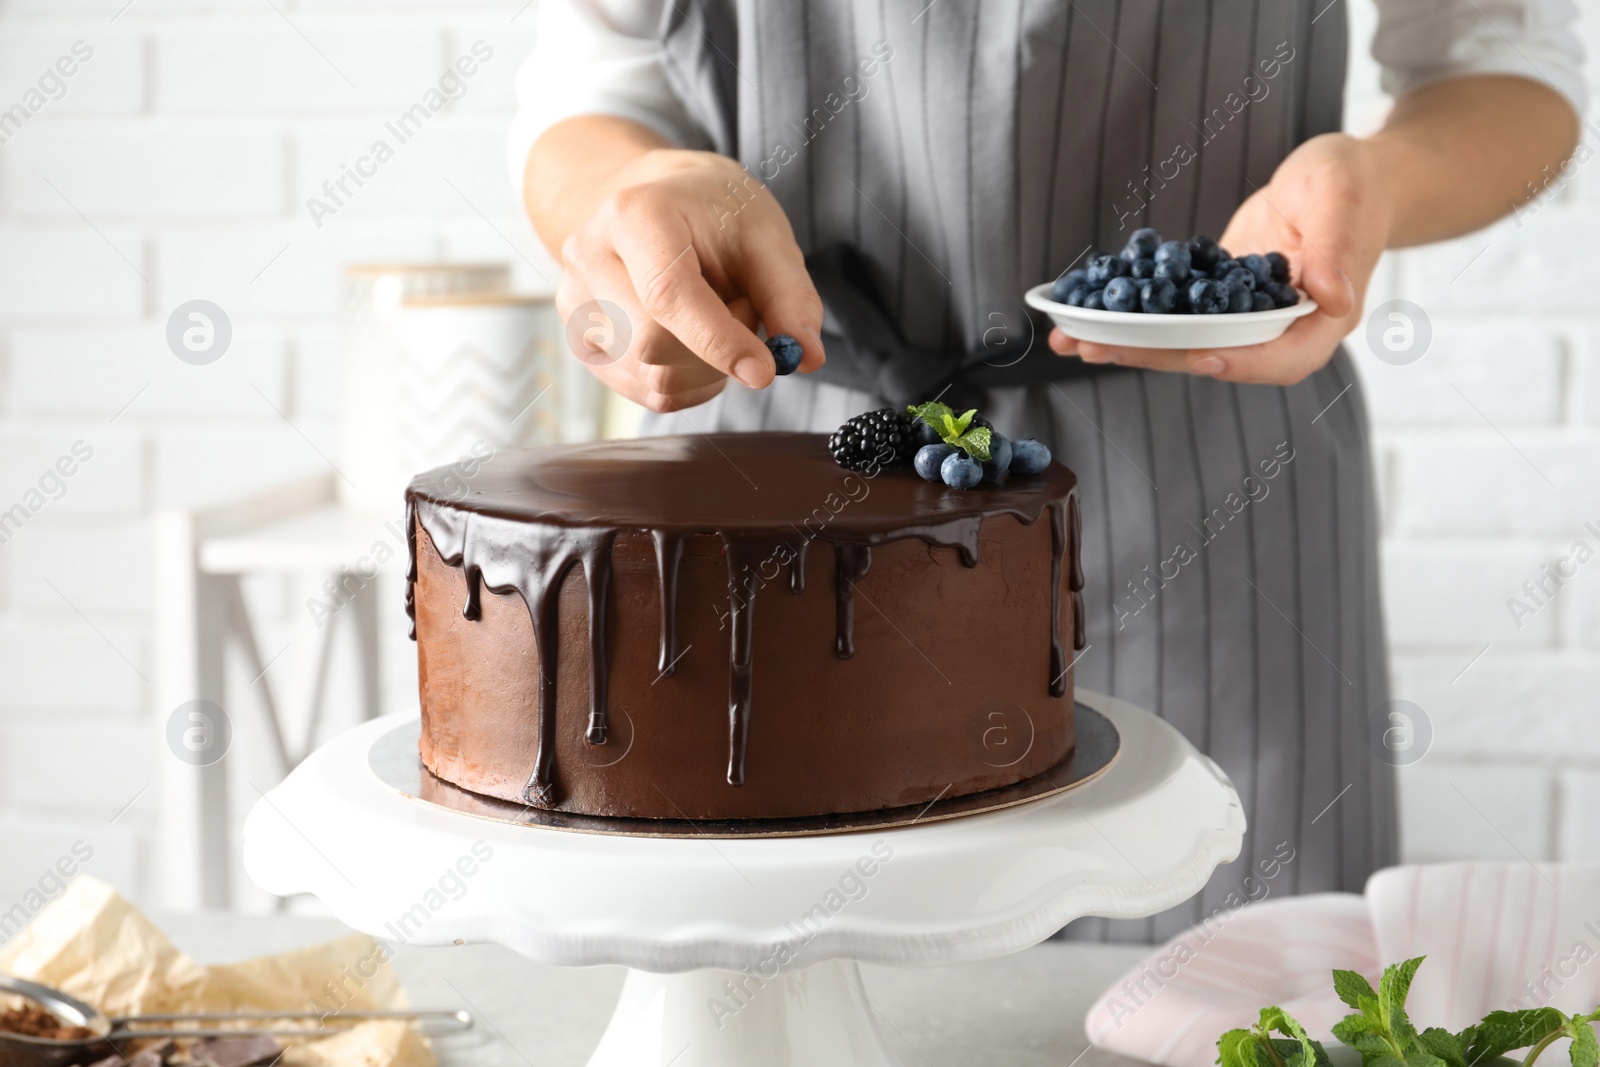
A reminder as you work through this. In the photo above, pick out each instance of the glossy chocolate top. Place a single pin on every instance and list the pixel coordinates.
(713, 483)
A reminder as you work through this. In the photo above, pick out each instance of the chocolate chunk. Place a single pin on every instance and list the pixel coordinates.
(154, 1055)
(236, 1051)
(33, 1021)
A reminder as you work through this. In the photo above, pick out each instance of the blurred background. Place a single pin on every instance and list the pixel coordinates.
(194, 497)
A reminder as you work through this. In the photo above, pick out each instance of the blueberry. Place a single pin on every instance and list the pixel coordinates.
(1180, 300)
(1258, 266)
(1239, 276)
(1064, 285)
(1279, 266)
(1122, 294)
(960, 471)
(1142, 268)
(924, 434)
(1223, 253)
(1207, 297)
(1283, 295)
(999, 461)
(1078, 295)
(1202, 253)
(1141, 244)
(1173, 271)
(1157, 296)
(1260, 301)
(786, 352)
(1174, 252)
(1095, 300)
(1220, 269)
(1104, 267)
(929, 457)
(1029, 457)
(1240, 296)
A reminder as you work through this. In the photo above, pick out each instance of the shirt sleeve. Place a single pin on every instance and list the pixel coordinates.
(1423, 41)
(596, 57)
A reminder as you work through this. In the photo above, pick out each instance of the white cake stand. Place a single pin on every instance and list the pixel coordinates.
(744, 951)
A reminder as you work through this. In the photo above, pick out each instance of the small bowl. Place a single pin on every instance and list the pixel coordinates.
(1138, 330)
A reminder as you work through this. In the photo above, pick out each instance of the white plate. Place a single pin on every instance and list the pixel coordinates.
(1139, 330)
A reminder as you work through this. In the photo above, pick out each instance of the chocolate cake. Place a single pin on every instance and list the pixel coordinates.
(731, 626)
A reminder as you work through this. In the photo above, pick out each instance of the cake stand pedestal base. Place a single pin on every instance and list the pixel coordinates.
(704, 922)
(814, 1017)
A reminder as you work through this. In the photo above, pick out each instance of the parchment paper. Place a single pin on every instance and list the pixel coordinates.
(95, 945)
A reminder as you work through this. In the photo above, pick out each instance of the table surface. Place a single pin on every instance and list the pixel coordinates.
(1024, 1010)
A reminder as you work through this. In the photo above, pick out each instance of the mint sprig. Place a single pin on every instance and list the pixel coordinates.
(1381, 1031)
(955, 430)
(1256, 1047)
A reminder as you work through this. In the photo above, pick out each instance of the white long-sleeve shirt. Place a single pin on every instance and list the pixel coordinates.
(604, 57)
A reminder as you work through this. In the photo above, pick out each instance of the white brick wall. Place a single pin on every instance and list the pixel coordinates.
(176, 166)
(1467, 520)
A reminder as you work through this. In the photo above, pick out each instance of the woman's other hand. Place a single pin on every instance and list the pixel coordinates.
(1325, 209)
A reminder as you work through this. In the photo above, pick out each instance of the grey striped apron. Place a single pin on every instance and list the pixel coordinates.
(1230, 534)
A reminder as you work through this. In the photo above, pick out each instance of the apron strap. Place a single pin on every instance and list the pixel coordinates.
(867, 353)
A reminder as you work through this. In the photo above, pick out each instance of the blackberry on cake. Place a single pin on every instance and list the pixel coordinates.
(885, 437)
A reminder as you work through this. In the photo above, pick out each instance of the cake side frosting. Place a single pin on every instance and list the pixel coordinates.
(527, 521)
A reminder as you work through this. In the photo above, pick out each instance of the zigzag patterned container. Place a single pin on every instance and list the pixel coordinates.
(481, 372)
(370, 432)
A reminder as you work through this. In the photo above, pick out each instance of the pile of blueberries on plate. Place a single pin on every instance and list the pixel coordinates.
(1193, 277)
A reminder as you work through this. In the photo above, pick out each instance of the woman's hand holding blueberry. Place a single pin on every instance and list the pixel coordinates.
(693, 249)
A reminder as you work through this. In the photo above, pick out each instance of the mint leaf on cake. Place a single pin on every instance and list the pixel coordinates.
(957, 431)
(975, 442)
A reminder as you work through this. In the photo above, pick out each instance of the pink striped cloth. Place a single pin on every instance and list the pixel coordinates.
(1496, 936)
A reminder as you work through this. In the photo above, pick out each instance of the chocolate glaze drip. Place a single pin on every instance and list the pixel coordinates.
(527, 521)
(797, 568)
(411, 566)
(1058, 655)
(669, 550)
(850, 564)
(1080, 625)
(532, 560)
(745, 556)
(597, 576)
